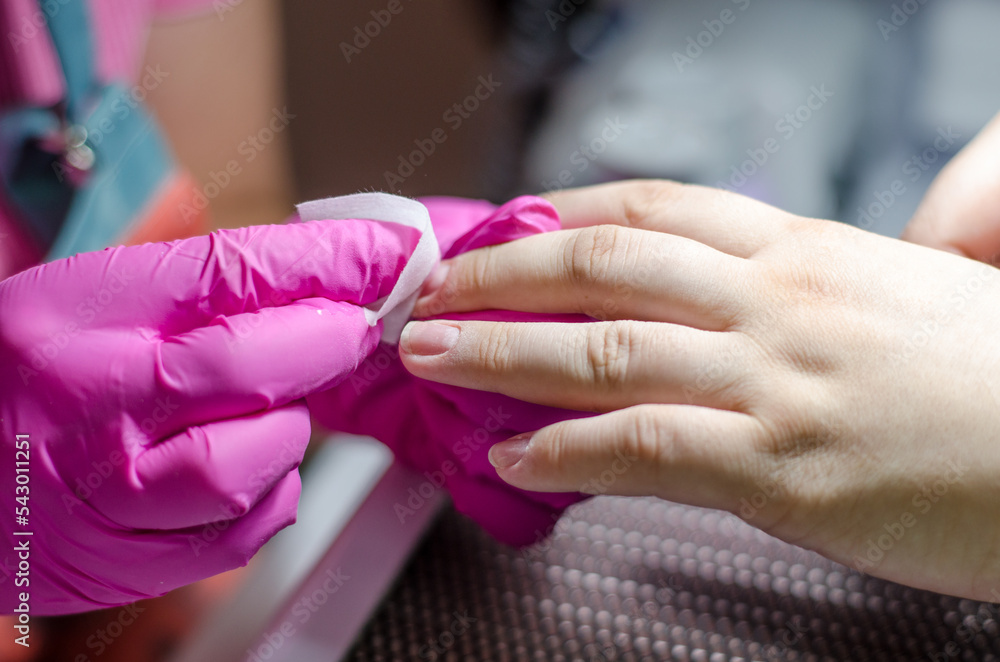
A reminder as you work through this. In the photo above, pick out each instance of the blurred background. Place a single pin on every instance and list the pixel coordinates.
(695, 91)
(840, 109)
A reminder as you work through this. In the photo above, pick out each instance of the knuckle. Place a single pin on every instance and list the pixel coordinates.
(593, 254)
(648, 198)
(558, 446)
(644, 436)
(475, 273)
(609, 349)
(495, 349)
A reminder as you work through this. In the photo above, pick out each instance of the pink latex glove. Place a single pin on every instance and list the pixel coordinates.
(161, 387)
(444, 431)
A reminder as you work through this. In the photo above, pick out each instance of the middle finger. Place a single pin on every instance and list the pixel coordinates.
(607, 272)
(598, 366)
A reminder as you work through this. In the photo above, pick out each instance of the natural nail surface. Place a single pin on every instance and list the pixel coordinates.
(508, 453)
(428, 338)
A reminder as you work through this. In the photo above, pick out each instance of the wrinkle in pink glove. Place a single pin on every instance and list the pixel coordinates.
(445, 431)
(161, 390)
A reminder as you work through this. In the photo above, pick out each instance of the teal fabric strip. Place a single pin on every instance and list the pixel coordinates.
(132, 164)
(67, 211)
(70, 29)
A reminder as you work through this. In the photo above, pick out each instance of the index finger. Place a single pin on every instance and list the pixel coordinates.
(727, 222)
(191, 282)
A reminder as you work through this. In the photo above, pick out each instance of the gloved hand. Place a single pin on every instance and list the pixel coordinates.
(160, 391)
(443, 431)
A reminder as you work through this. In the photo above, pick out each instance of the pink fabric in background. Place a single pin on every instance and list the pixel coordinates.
(446, 432)
(30, 73)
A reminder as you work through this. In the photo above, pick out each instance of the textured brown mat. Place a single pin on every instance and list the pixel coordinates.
(641, 579)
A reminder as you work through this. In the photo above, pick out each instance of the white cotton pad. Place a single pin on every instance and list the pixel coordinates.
(395, 308)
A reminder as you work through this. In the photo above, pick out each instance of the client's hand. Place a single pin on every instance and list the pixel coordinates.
(835, 388)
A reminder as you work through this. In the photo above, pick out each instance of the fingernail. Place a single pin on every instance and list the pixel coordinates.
(436, 280)
(428, 338)
(508, 453)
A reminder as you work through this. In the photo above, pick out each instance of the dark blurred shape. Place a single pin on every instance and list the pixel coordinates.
(369, 89)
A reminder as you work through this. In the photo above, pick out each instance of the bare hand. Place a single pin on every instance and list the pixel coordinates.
(835, 388)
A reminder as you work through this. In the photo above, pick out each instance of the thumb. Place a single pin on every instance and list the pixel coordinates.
(692, 455)
(961, 211)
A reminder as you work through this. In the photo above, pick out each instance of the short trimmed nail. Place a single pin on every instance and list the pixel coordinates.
(436, 280)
(508, 453)
(428, 338)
